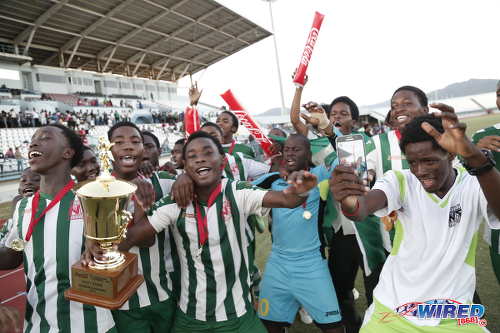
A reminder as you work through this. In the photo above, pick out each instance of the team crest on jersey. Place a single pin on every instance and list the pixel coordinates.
(455, 215)
(76, 211)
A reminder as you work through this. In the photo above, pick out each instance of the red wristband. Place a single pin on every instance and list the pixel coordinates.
(355, 213)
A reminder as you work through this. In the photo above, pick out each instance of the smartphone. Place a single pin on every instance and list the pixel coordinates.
(351, 151)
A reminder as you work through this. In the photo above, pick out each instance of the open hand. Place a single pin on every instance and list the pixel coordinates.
(194, 94)
(300, 182)
(145, 193)
(317, 115)
(147, 169)
(453, 140)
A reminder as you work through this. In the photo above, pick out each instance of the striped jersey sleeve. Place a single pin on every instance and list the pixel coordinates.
(163, 213)
(250, 197)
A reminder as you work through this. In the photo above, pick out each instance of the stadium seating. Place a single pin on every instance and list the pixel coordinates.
(63, 98)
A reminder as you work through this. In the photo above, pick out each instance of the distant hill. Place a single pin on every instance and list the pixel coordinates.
(459, 89)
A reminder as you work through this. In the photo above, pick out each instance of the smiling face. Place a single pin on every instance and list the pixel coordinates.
(432, 166)
(340, 116)
(177, 156)
(29, 183)
(405, 107)
(225, 122)
(48, 148)
(296, 154)
(203, 162)
(88, 168)
(151, 151)
(127, 151)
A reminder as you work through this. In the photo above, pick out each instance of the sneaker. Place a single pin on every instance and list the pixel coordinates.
(304, 316)
(355, 293)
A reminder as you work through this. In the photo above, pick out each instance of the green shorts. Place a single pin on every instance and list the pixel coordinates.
(248, 323)
(381, 319)
(156, 318)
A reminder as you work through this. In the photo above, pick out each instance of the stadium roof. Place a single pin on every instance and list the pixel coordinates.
(159, 39)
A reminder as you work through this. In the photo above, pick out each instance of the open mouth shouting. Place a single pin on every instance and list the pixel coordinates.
(28, 191)
(128, 161)
(402, 119)
(203, 171)
(34, 156)
(337, 124)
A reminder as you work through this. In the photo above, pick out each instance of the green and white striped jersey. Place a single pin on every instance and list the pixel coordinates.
(156, 262)
(239, 148)
(56, 244)
(492, 237)
(240, 167)
(214, 281)
(383, 154)
(4, 230)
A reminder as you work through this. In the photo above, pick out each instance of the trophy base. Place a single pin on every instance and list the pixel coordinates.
(108, 288)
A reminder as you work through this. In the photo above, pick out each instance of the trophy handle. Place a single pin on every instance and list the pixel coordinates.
(126, 217)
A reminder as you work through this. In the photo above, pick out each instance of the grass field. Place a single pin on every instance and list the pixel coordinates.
(487, 285)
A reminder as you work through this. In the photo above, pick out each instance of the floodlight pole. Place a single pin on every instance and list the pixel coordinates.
(283, 110)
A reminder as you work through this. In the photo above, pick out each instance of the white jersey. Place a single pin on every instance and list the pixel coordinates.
(240, 167)
(56, 244)
(215, 281)
(434, 250)
(155, 263)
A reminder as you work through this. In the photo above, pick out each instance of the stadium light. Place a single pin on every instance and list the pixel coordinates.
(283, 110)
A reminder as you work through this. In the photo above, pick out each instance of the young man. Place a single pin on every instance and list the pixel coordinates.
(49, 226)
(351, 246)
(210, 238)
(178, 163)
(439, 211)
(238, 166)
(88, 168)
(489, 138)
(28, 185)
(296, 253)
(229, 123)
(152, 307)
(152, 150)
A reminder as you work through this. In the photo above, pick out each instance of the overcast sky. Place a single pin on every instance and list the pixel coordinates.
(365, 50)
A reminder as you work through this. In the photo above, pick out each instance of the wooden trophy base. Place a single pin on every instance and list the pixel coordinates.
(106, 288)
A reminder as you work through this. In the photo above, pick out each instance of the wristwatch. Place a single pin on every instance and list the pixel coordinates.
(490, 164)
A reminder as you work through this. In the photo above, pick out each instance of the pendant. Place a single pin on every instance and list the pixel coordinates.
(17, 245)
(307, 215)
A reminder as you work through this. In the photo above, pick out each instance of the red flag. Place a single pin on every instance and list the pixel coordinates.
(247, 121)
(191, 120)
(308, 49)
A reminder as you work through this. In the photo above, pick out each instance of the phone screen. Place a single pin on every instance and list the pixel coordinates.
(351, 151)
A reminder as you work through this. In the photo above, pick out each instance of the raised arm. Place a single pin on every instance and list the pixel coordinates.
(354, 198)
(456, 142)
(298, 125)
(301, 182)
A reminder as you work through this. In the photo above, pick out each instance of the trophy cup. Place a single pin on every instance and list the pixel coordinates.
(112, 279)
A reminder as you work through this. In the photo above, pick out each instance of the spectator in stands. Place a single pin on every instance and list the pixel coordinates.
(19, 159)
(256, 148)
(2, 161)
(3, 122)
(9, 153)
(13, 118)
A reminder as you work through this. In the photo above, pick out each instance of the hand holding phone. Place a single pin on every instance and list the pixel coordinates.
(351, 151)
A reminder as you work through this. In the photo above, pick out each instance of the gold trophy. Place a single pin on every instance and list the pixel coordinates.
(112, 279)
